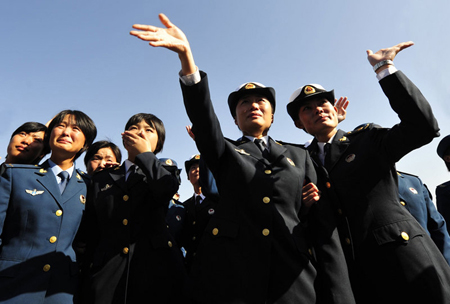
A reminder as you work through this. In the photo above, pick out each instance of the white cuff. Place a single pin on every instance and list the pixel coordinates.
(191, 79)
(386, 72)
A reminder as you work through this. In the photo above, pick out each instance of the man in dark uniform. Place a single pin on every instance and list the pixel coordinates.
(391, 258)
(255, 248)
(417, 199)
(199, 209)
(443, 190)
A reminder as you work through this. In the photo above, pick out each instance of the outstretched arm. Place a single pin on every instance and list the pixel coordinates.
(170, 37)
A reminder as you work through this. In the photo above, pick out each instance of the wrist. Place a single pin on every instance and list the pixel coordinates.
(382, 65)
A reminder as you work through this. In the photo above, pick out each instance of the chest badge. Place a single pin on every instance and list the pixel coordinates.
(34, 192)
(414, 191)
(178, 218)
(350, 158)
(241, 151)
(290, 161)
(107, 186)
(211, 211)
(82, 199)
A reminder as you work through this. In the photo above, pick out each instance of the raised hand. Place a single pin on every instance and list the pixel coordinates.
(341, 106)
(388, 53)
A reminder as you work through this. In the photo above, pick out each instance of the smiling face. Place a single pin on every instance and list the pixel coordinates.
(319, 118)
(66, 139)
(254, 115)
(25, 147)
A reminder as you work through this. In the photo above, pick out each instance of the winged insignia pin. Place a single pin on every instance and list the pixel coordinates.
(106, 187)
(34, 192)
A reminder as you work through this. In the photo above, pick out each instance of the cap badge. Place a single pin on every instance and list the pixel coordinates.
(211, 211)
(309, 90)
(290, 161)
(169, 162)
(197, 156)
(250, 86)
(413, 190)
(350, 158)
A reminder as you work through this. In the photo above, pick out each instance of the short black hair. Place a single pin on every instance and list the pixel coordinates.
(84, 122)
(153, 122)
(100, 145)
(30, 127)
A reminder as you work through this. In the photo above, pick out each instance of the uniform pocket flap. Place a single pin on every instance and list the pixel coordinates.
(398, 232)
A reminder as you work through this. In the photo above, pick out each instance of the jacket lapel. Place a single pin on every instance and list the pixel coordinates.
(48, 180)
(339, 146)
(74, 186)
(118, 176)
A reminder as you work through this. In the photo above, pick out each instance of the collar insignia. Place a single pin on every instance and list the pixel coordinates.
(350, 158)
(413, 190)
(34, 192)
(42, 171)
(78, 176)
(290, 161)
(343, 138)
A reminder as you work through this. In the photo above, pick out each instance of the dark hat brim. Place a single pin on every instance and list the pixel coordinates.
(294, 106)
(234, 97)
(444, 144)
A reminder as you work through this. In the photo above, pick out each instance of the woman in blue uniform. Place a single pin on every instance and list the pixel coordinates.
(40, 212)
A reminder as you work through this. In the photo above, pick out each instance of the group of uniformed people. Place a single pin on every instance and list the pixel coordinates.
(285, 223)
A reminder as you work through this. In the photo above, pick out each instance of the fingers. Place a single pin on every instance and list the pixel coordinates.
(165, 21)
(369, 52)
(404, 45)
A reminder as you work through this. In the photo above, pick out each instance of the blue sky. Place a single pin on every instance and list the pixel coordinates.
(57, 55)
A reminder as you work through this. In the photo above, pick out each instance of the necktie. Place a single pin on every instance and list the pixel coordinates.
(198, 199)
(327, 151)
(64, 175)
(131, 172)
(262, 146)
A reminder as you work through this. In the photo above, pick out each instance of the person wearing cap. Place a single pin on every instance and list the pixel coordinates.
(199, 210)
(391, 258)
(443, 190)
(254, 249)
(130, 255)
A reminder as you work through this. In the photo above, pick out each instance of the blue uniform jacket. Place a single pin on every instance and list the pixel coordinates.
(37, 228)
(416, 197)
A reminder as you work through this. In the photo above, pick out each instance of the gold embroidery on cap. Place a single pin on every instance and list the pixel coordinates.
(309, 90)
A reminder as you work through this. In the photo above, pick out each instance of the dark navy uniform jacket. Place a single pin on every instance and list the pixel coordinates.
(254, 246)
(37, 228)
(416, 197)
(130, 254)
(391, 257)
(443, 201)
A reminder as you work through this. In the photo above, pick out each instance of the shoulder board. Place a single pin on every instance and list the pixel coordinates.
(446, 184)
(281, 143)
(400, 173)
(360, 128)
(236, 142)
(25, 166)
